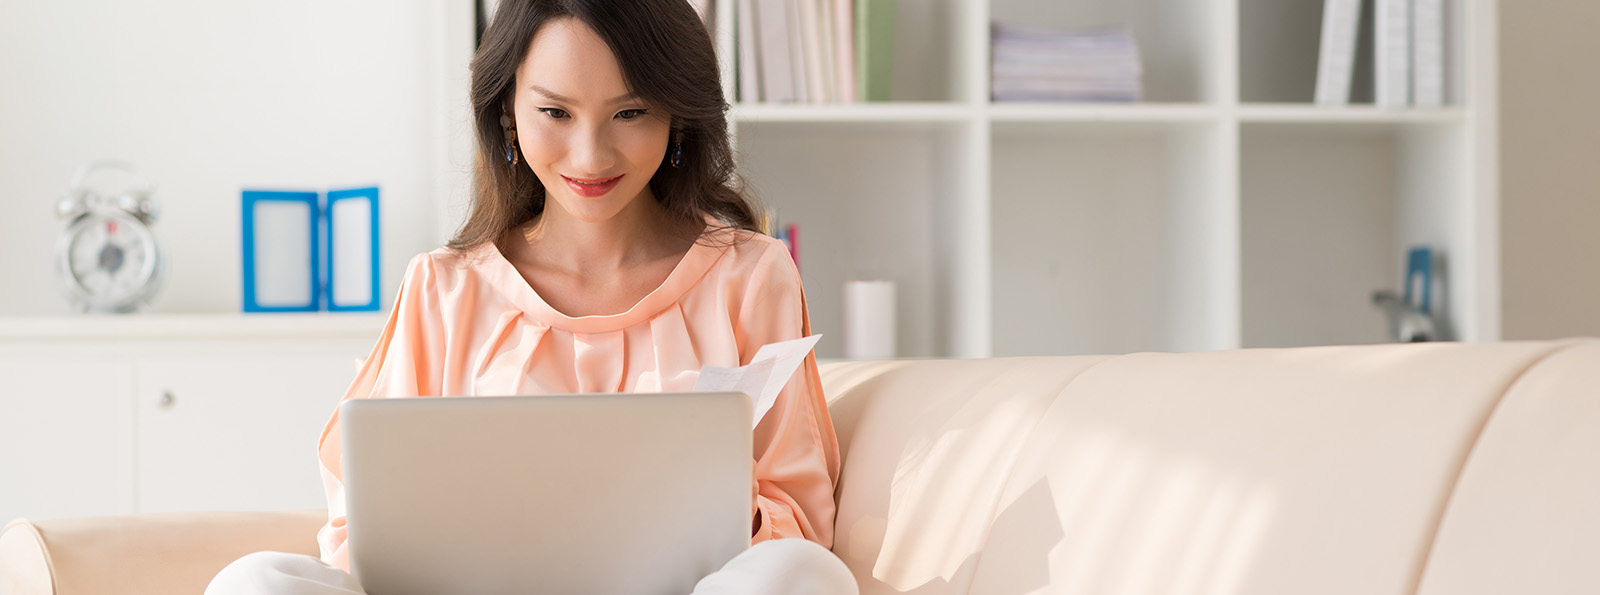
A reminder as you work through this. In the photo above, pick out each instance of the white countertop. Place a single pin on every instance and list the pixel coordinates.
(102, 327)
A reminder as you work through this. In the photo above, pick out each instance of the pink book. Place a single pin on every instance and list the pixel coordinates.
(793, 234)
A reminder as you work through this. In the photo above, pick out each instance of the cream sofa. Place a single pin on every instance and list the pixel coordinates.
(1399, 469)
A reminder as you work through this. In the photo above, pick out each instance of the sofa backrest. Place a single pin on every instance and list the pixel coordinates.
(1525, 515)
(1313, 470)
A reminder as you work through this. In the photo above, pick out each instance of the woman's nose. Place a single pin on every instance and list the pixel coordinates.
(593, 151)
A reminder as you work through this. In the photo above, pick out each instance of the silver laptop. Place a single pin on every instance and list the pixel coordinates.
(597, 493)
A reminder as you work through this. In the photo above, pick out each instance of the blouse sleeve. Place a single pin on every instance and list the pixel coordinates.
(796, 452)
(404, 363)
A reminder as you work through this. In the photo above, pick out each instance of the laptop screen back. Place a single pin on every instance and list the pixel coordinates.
(596, 493)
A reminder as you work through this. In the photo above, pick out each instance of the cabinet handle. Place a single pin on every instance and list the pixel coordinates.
(167, 400)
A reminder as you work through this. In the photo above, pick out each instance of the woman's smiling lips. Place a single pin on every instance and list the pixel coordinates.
(591, 187)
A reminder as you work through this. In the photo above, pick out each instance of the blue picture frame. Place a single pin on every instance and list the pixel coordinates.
(248, 202)
(369, 194)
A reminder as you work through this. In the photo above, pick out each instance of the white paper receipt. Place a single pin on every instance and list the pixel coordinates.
(763, 378)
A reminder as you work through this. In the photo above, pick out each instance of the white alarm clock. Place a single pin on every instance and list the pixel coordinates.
(108, 259)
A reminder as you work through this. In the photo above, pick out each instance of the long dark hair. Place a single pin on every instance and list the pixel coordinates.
(667, 59)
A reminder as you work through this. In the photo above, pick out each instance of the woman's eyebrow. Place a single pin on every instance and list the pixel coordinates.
(564, 99)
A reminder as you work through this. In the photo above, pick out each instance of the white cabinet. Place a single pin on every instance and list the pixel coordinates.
(161, 413)
(66, 436)
(1225, 210)
(236, 431)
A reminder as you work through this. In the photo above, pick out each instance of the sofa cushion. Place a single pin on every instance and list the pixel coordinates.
(927, 447)
(1523, 517)
(1313, 470)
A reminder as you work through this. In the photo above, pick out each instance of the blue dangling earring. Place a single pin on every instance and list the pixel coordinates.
(677, 153)
(511, 139)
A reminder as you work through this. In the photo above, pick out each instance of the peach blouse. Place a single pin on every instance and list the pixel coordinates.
(469, 324)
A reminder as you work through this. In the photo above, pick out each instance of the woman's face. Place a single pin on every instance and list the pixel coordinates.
(592, 144)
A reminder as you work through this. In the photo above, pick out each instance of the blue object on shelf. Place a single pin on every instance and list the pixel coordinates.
(353, 250)
(1419, 279)
(281, 264)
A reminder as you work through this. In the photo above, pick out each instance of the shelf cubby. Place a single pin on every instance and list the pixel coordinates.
(863, 218)
(1328, 213)
(1102, 242)
(1279, 44)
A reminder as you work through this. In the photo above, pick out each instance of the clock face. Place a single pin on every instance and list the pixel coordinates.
(110, 260)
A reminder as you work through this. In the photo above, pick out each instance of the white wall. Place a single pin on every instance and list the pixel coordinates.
(1550, 168)
(211, 97)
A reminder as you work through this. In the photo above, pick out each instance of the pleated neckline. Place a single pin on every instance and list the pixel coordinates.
(695, 263)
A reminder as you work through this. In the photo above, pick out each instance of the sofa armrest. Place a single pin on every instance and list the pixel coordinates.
(138, 554)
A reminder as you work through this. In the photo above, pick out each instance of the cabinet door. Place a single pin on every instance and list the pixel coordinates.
(66, 425)
(237, 431)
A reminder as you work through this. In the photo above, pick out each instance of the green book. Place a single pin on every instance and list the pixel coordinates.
(874, 48)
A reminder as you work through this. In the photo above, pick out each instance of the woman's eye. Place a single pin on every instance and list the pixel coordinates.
(554, 112)
(629, 114)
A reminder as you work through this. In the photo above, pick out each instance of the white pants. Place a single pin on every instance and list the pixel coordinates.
(780, 566)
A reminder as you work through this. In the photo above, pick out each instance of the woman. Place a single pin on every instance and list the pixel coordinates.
(606, 251)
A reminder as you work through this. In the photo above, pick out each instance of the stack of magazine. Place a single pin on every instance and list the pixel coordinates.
(1099, 64)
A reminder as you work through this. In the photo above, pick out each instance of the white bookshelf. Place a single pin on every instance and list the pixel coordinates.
(1224, 211)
